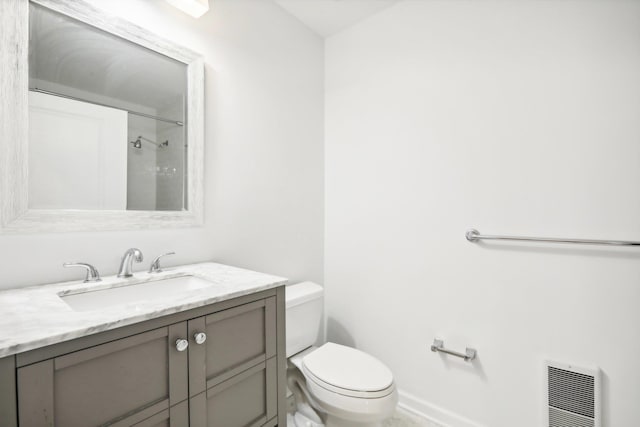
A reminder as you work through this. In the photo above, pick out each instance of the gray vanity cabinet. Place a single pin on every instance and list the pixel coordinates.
(232, 376)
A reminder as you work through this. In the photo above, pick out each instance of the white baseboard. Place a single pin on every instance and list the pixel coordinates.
(436, 415)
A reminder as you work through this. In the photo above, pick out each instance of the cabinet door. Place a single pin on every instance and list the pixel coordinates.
(122, 383)
(233, 374)
(248, 399)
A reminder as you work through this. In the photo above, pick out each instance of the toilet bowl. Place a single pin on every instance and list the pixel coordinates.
(346, 386)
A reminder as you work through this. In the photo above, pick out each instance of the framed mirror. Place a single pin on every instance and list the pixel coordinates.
(102, 122)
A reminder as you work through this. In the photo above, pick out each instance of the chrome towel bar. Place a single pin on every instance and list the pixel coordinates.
(474, 236)
(468, 355)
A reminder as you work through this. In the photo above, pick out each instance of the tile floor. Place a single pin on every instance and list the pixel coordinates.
(404, 419)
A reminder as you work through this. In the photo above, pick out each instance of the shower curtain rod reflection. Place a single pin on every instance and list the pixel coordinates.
(135, 113)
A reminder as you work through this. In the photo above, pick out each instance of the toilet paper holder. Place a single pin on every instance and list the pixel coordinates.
(468, 355)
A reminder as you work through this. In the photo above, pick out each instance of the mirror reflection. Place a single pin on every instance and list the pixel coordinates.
(107, 120)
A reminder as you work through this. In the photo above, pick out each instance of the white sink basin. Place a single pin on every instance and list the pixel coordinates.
(138, 293)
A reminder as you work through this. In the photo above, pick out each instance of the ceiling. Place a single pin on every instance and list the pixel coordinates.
(327, 17)
(75, 59)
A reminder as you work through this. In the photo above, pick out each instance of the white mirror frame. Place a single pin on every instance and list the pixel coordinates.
(15, 215)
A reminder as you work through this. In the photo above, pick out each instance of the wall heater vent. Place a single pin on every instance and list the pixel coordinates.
(573, 396)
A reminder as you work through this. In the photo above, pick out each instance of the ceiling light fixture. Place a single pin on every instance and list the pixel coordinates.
(195, 8)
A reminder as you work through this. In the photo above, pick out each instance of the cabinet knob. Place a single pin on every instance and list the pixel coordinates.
(181, 344)
(200, 337)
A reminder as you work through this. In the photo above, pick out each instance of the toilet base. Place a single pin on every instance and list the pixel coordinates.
(300, 420)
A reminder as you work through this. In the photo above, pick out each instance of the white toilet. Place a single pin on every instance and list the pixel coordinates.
(345, 386)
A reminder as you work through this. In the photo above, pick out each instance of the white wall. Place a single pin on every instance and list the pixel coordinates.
(514, 117)
(263, 153)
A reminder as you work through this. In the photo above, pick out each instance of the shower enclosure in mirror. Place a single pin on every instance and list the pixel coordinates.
(108, 122)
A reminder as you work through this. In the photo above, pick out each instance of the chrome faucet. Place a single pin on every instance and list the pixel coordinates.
(126, 264)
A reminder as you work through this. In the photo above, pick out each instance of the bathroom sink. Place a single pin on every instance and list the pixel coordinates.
(157, 290)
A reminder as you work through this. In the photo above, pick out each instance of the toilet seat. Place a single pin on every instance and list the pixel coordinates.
(348, 372)
(361, 410)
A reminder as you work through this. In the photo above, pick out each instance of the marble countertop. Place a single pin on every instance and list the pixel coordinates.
(35, 316)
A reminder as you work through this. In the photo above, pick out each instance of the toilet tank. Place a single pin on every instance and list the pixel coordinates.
(304, 315)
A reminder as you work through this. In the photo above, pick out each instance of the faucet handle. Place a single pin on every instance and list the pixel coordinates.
(155, 265)
(92, 272)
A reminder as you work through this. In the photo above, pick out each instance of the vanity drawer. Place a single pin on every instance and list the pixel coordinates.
(123, 382)
(246, 400)
(237, 339)
(176, 416)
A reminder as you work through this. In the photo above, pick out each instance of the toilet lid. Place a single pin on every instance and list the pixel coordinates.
(347, 368)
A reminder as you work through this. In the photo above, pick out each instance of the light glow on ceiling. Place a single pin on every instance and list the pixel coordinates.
(195, 8)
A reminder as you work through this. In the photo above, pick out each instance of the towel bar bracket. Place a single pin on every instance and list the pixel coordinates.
(468, 355)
